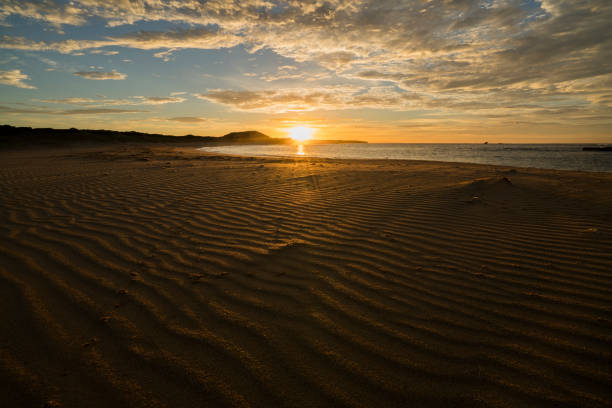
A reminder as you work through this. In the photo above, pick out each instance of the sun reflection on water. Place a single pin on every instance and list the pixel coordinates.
(300, 150)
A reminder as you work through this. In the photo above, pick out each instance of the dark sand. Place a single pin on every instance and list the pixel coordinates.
(158, 277)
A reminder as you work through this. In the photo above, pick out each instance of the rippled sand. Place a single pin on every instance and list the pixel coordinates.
(159, 277)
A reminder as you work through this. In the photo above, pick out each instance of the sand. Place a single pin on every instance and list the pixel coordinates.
(152, 276)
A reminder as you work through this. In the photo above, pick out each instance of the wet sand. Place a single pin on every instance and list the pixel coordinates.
(153, 276)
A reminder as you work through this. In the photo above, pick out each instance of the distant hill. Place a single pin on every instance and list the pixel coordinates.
(250, 136)
(253, 136)
(16, 137)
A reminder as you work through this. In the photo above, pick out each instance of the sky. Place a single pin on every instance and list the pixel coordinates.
(519, 71)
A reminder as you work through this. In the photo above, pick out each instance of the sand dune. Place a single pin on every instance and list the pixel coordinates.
(159, 277)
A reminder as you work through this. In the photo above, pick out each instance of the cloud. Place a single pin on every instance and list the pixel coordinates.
(88, 111)
(439, 54)
(502, 38)
(165, 55)
(483, 104)
(8, 59)
(48, 61)
(299, 99)
(15, 78)
(95, 111)
(53, 12)
(98, 75)
(289, 75)
(336, 60)
(381, 76)
(69, 101)
(103, 52)
(188, 119)
(36, 110)
(195, 38)
(202, 38)
(160, 100)
(133, 100)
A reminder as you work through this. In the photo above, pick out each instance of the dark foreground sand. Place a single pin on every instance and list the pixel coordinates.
(151, 277)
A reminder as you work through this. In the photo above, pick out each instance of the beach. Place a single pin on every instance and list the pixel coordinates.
(157, 276)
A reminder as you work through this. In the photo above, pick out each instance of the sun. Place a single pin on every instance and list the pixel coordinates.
(300, 133)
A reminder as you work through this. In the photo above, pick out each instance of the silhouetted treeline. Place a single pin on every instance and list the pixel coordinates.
(16, 137)
(11, 136)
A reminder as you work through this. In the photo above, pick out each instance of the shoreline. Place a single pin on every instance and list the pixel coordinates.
(297, 156)
(160, 276)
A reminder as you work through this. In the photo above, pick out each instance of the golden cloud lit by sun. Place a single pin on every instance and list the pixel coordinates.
(300, 133)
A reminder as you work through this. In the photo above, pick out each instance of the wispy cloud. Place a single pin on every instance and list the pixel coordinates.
(95, 111)
(53, 12)
(133, 100)
(195, 38)
(87, 111)
(15, 78)
(104, 52)
(300, 99)
(160, 100)
(69, 101)
(187, 119)
(100, 76)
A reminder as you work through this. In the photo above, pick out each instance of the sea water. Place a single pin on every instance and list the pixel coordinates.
(546, 156)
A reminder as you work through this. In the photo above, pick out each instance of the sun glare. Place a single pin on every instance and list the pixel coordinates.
(301, 133)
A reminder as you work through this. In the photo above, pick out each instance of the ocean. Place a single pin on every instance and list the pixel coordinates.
(545, 156)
